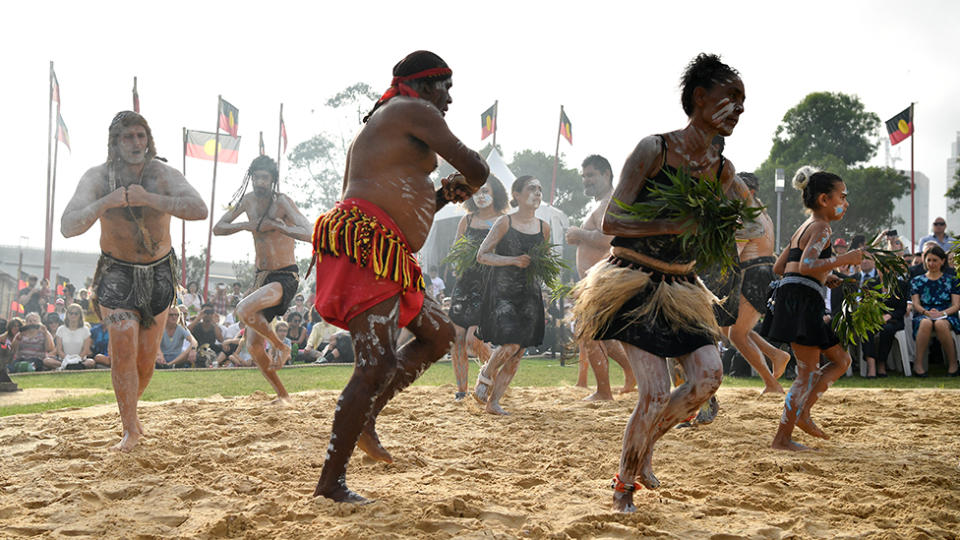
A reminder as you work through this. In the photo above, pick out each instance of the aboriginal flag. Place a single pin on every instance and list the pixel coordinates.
(62, 134)
(200, 144)
(283, 133)
(229, 118)
(566, 128)
(488, 122)
(900, 126)
(263, 149)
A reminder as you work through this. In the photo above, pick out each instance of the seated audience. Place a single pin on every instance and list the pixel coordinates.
(877, 347)
(339, 350)
(936, 301)
(33, 347)
(73, 341)
(208, 334)
(178, 347)
(99, 344)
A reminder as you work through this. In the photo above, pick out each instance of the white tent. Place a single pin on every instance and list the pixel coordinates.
(444, 229)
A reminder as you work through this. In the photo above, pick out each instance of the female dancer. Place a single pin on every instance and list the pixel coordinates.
(512, 314)
(798, 302)
(647, 294)
(486, 205)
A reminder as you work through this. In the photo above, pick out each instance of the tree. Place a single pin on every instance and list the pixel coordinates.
(826, 124)
(833, 132)
(317, 164)
(953, 194)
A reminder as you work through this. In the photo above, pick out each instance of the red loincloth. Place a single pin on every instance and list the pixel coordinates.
(362, 260)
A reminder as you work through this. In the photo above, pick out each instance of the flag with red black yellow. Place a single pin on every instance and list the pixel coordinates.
(566, 128)
(62, 134)
(201, 145)
(488, 122)
(229, 117)
(901, 126)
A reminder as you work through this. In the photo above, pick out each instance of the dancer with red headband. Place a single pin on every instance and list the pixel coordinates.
(368, 280)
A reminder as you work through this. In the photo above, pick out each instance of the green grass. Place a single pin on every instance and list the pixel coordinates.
(539, 372)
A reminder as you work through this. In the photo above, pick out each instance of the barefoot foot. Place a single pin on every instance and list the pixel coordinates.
(774, 389)
(806, 424)
(790, 445)
(627, 388)
(481, 391)
(597, 396)
(370, 444)
(494, 408)
(282, 401)
(128, 442)
(780, 361)
(623, 502)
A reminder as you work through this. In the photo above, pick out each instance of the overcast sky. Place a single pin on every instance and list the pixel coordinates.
(614, 68)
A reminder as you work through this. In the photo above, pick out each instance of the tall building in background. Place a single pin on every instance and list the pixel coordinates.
(921, 199)
(953, 216)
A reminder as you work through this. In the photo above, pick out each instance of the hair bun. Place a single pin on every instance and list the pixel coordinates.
(802, 177)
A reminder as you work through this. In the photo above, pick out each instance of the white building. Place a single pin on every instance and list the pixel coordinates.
(921, 198)
(953, 216)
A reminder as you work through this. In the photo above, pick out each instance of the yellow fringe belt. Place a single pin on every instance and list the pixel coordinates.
(367, 243)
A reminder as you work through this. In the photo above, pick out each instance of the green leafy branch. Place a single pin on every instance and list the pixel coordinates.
(708, 218)
(547, 266)
(863, 308)
(463, 256)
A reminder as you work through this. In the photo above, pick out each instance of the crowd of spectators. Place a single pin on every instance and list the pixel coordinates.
(60, 330)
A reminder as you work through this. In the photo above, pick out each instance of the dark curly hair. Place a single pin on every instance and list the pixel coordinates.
(500, 200)
(705, 71)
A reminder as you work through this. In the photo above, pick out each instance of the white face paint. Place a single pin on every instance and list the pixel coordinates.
(482, 200)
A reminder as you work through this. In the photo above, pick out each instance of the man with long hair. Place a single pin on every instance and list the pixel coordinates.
(133, 195)
(276, 224)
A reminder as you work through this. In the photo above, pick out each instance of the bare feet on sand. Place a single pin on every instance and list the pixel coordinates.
(127, 443)
(597, 396)
(806, 424)
(494, 408)
(282, 401)
(775, 390)
(370, 444)
(623, 502)
(790, 445)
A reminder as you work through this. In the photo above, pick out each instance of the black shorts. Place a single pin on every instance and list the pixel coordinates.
(117, 287)
(757, 276)
(288, 280)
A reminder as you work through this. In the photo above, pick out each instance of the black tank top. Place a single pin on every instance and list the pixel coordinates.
(664, 247)
(795, 253)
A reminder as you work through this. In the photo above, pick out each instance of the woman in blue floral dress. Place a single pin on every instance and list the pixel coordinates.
(936, 301)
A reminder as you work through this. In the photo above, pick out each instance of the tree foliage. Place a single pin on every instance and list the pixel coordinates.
(317, 164)
(953, 194)
(826, 124)
(833, 132)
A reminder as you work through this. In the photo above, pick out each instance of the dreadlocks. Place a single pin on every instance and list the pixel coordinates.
(415, 67)
(265, 164)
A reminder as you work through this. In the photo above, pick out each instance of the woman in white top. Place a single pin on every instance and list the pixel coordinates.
(192, 298)
(73, 340)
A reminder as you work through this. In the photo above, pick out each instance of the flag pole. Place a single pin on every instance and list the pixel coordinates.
(913, 135)
(183, 222)
(136, 97)
(213, 192)
(48, 251)
(279, 140)
(496, 113)
(48, 233)
(556, 159)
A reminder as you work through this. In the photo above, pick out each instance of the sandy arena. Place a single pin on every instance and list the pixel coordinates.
(241, 468)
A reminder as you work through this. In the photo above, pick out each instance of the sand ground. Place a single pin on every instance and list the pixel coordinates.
(242, 468)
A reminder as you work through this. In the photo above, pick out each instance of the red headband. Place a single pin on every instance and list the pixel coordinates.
(397, 86)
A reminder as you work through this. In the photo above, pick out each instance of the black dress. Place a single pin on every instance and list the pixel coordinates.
(468, 292)
(512, 307)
